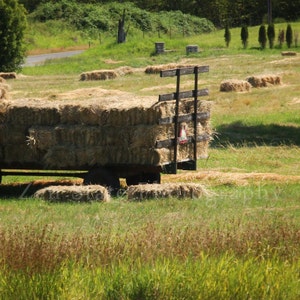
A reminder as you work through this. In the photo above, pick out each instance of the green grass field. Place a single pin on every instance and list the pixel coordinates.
(240, 242)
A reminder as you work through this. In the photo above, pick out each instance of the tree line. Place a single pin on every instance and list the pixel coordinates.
(221, 12)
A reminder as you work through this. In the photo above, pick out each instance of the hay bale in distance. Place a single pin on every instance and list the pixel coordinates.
(156, 69)
(98, 75)
(75, 193)
(234, 85)
(8, 75)
(166, 190)
(3, 89)
(288, 53)
(3, 93)
(105, 74)
(264, 80)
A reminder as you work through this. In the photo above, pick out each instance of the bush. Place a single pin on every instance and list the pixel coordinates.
(105, 17)
(289, 35)
(262, 36)
(244, 36)
(12, 27)
(227, 36)
(271, 35)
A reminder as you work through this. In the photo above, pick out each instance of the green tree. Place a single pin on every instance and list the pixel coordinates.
(271, 35)
(244, 36)
(289, 35)
(12, 27)
(262, 36)
(227, 36)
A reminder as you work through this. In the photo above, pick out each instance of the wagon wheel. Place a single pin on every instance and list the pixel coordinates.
(143, 178)
(104, 177)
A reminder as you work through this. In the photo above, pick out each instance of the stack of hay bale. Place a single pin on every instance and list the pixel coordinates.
(78, 134)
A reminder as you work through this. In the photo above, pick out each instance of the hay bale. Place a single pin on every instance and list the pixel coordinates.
(288, 53)
(156, 69)
(3, 93)
(8, 75)
(166, 190)
(264, 80)
(105, 74)
(234, 85)
(98, 75)
(122, 71)
(75, 193)
(3, 89)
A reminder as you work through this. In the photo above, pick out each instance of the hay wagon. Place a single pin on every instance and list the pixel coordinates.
(111, 137)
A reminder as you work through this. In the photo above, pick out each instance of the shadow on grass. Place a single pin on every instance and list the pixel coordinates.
(23, 190)
(239, 134)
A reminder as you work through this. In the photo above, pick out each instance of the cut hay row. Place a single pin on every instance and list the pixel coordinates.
(105, 74)
(166, 190)
(75, 193)
(226, 178)
(79, 134)
(234, 85)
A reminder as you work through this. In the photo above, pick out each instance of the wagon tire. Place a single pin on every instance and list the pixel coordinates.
(104, 177)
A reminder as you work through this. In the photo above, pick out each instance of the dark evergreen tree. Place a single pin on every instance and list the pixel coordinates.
(262, 36)
(271, 35)
(12, 27)
(289, 35)
(244, 36)
(227, 36)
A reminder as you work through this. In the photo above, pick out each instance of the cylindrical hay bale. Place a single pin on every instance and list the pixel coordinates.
(159, 47)
(87, 193)
(234, 85)
(192, 49)
(166, 190)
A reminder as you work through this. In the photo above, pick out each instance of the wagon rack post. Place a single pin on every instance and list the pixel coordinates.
(177, 119)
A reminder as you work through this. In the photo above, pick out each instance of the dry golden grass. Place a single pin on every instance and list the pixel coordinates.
(41, 249)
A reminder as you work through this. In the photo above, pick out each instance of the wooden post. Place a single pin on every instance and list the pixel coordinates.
(121, 30)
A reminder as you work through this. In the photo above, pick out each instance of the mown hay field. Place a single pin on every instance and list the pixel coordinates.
(241, 238)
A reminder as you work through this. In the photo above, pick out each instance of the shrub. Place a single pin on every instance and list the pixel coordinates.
(244, 36)
(289, 35)
(12, 27)
(262, 36)
(271, 35)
